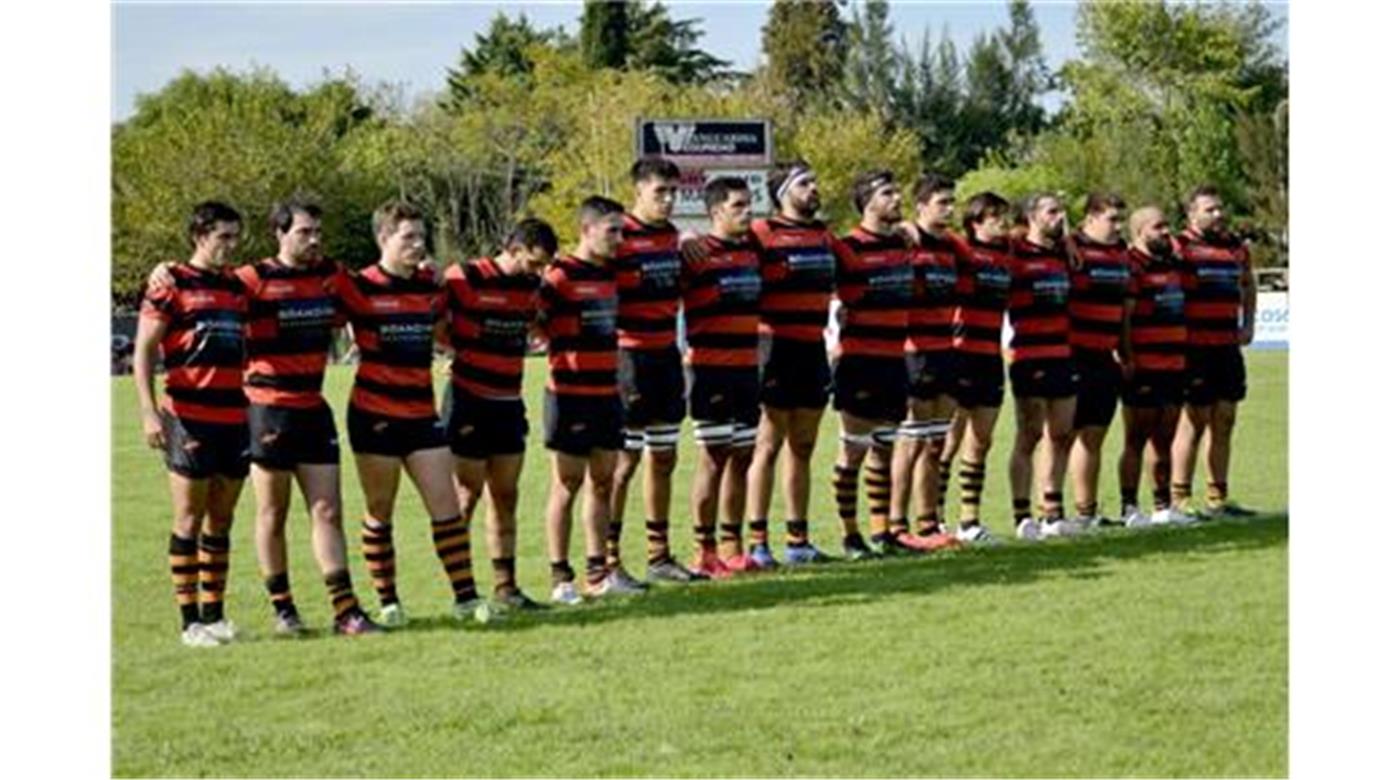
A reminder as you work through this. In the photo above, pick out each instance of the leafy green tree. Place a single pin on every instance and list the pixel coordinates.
(502, 50)
(871, 61)
(928, 99)
(667, 47)
(603, 33)
(804, 46)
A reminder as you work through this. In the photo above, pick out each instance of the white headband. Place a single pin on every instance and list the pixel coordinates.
(797, 172)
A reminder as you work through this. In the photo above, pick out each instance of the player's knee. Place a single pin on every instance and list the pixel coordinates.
(802, 449)
(663, 460)
(325, 512)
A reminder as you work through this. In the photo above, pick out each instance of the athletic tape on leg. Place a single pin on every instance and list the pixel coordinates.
(744, 435)
(632, 439)
(662, 437)
(708, 434)
(884, 437)
(915, 429)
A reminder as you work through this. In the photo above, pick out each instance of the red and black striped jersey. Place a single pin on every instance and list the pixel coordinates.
(291, 315)
(579, 300)
(1098, 294)
(393, 319)
(984, 288)
(875, 282)
(798, 265)
(205, 314)
(721, 303)
(1215, 270)
(648, 270)
(1039, 304)
(1158, 327)
(935, 262)
(491, 313)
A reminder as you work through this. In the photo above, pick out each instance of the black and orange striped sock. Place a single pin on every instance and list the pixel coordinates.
(945, 476)
(1217, 493)
(279, 590)
(503, 570)
(377, 541)
(971, 477)
(342, 594)
(928, 524)
(1052, 504)
(560, 572)
(184, 573)
(758, 531)
(658, 541)
(1181, 494)
(1161, 497)
(1020, 509)
(731, 539)
(453, 542)
(845, 482)
(597, 569)
(797, 531)
(877, 495)
(704, 536)
(213, 576)
(612, 544)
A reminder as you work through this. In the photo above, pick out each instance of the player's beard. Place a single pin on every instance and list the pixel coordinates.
(1160, 247)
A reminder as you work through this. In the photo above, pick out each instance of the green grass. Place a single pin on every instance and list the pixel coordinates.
(1160, 653)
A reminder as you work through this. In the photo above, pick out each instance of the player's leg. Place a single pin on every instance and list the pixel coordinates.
(1085, 463)
(566, 480)
(1193, 423)
(713, 439)
(189, 500)
(379, 481)
(803, 426)
(659, 442)
(469, 478)
(272, 493)
(856, 441)
(1031, 413)
(222, 497)
(771, 436)
(1161, 441)
(1139, 424)
(431, 471)
(948, 455)
(733, 486)
(320, 485)
(979, 427)
(1059, 435)
(1221, 428)
(598, 580)
(629, 460)
(910, 448)
(503, 486)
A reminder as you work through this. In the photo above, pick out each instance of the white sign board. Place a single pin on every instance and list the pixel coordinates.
(1271, 321)
(690, 199)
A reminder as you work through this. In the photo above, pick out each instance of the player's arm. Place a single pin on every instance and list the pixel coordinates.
(692, 246)
(1125, 336)
(149, 332)
(1249, 290)
(161, 277)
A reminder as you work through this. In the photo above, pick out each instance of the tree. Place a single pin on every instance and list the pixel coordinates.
(603, 33)
(502, 50)
(928, 99)
(804, 46)
(871, 61)
(667, 47)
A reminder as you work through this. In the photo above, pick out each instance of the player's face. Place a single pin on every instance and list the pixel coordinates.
(991, 228)
(1049, 218)
(532, 258)
(803, 197)
(604, 236)
(938, 209)
(656, 196)
(219, 244)
(885, 205)
(734, 215)
(1157, 235)
(1208, 214)
(301, 243)
(1105, 225)
(406, 243)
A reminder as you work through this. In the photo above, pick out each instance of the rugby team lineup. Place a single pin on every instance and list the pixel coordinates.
(1120, 311)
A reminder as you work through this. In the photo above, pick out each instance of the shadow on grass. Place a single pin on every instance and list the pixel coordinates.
(814, 587)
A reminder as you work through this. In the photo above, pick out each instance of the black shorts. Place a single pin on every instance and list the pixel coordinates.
(579, 424)
(1214, 374)
(980, 380)
(200, 450)
(875, 388)
(652, 384)
(932, 374)
(394, 437)
(723, 395)
(1100, 377)
(1044, 378)
(794, 374)
(1152, 389)
(285, 437)
(478, 428)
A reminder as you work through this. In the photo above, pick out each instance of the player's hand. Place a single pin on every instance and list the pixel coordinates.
(153, 430)
(429, 264)
(161, 276)
(1247, 335)
(692, 248)
(909, 232)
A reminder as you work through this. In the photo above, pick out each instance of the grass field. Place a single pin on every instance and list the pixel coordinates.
(1158, 653)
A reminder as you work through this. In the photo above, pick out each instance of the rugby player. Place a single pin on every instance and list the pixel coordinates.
(930, 356)
(493, 302)
(1100, 275)
(583, 411)
(394, 308)
(1220, 301)
(798, 266)
(201, 424)
(875, 284)
(1154, 367)
(1043, 379)
(983, 290)
(721, 319)
(650, 376)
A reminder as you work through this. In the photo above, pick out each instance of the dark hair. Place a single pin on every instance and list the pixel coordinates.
(206, 215)
(863, 188)
(1031, 203)
(1202, 191)
(779, 174)
(982, 206)
(596, 207)
(1099, 202)
(283, 213)
(391, 213)
(654, 168)
(932, 183)
(533, 234)
(717, 191)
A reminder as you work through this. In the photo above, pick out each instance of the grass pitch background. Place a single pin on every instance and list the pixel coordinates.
(1158, 653)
